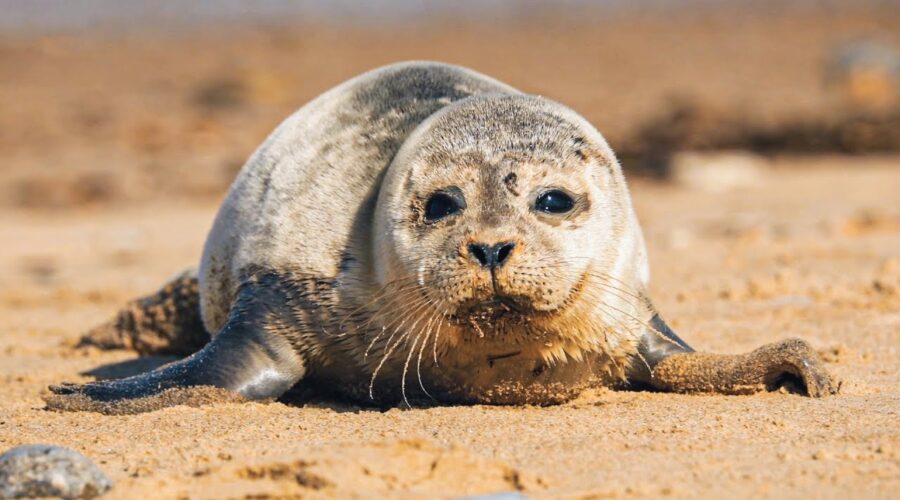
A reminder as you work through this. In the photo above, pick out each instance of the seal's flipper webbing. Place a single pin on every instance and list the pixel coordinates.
(165, 322)
(248, 358)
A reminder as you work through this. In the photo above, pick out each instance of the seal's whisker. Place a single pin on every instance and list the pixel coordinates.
(384, 358)
(628, 290)
(390, 311)
(644, 323)
(399, 300)
(372, 343)
(429, 327)
(624, 327)
(409, 355)
(384, 290)
(402, 319)
(436, 336)
(617, 291)
(605, 330)
(387, 309)
(410, 290)
(405, 369)
(389, 350)
(653, 329)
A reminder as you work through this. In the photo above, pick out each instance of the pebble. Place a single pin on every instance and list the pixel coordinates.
(505, 495)
(41, 470)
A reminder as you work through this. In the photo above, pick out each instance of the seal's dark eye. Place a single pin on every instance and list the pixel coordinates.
(441, 205)
(554, 202)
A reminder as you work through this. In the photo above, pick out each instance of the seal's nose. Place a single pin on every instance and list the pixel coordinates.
(491, 256)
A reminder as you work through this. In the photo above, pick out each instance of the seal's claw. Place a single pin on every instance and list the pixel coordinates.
(109, 390)
(795, 358)
(64, 388)
(71, 388)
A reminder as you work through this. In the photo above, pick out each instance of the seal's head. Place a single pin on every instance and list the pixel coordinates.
(510, 216)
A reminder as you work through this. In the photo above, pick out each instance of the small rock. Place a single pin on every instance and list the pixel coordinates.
(42, 470)
(505, 495)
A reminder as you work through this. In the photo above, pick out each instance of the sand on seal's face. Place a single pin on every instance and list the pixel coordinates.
(811, 253)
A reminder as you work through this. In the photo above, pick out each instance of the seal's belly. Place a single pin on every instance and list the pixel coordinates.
(498, 379)
(515, 381)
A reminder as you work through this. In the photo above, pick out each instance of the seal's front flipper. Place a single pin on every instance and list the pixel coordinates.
(658, 342)
(165, 322)
(790, 363)
(248, 359)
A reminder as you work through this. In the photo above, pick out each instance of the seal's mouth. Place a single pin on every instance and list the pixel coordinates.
(504, 313)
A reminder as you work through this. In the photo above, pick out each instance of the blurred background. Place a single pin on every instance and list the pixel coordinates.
(121, 102)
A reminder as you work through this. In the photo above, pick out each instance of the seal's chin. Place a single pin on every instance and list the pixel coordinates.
(495, 309)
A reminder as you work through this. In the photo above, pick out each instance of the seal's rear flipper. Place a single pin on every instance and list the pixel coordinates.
(248, 359)
(165, 322)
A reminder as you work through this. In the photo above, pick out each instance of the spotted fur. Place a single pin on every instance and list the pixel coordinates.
(322, 267)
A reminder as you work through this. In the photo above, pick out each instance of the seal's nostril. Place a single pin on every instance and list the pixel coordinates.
(492, 256)
(481, 254)
(502, 251)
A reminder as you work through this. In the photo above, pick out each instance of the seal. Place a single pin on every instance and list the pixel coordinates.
(424, 232)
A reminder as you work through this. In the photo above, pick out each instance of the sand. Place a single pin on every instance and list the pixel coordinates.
(812, 250)
(118, 148)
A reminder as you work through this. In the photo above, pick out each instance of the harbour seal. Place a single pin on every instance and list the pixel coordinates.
(420, 232)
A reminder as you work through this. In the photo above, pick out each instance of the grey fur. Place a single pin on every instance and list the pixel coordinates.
(318, 169)
(319, 255)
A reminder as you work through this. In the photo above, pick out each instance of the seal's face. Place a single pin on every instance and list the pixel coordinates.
(506, 214)
(501, 233)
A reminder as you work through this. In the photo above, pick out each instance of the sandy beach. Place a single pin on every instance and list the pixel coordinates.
(731, 270)
(117, 152)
